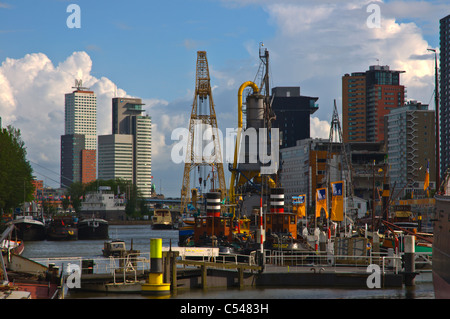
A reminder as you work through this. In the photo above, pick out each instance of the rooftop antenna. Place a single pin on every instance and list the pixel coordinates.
(79, 85)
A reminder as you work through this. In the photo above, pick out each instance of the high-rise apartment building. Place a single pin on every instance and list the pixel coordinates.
(366, 98)
(127, 152)
(143, 154)
(115, 157)
(292, 114)
(79, 144)
(411, 147)
(81, 115)
(444, 88)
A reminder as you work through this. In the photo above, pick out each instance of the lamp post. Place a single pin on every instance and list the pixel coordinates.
(436, 102)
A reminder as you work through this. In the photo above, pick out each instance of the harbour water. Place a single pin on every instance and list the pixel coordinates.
(141, 235)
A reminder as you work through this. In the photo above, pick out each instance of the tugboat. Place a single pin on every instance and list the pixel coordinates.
(63, 228)
(115, 248)
(93, 228)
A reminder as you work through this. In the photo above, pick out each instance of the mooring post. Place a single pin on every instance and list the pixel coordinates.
(174, 271)
(409, 260)
(204, 275)
(241, 277)
(155, 284)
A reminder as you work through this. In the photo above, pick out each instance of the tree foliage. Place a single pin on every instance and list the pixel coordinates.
(15, 171)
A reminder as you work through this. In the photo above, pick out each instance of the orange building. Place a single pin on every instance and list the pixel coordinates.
(88, 166)
(38, 185)
(366, 98)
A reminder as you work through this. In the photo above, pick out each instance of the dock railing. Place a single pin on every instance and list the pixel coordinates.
(328, 262)
(323, 261)
(132, 263)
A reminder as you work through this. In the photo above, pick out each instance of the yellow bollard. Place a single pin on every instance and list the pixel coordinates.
(155, 284)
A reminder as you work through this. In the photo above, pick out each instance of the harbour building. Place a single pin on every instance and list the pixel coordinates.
(79, 143)
(366, 98)
(127, 152)
(411, 147)
(292, 112)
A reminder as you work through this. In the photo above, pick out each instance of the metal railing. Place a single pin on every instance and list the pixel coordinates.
(134, 263)
(329, 262)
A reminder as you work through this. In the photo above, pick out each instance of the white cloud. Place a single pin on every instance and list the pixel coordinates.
(32, 92)
(319, 128)
(317, 42)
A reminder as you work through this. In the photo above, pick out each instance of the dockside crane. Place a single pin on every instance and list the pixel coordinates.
(203, 117)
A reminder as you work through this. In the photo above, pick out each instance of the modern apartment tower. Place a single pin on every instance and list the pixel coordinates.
(79, 143)
(292, 114)
(126, 153)
(366, 98)
(115, 157)
(411, 147)
(444, 88)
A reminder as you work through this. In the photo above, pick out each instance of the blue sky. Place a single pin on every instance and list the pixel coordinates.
(147, 49)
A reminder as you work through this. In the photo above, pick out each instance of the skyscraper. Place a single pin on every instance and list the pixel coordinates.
(127, 152)
(81, 115)
(444, 109)
(79, 144)
(366, 98)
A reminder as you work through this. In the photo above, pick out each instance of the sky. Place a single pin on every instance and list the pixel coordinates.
(148, 49)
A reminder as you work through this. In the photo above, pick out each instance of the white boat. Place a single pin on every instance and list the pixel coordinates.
(162, 219)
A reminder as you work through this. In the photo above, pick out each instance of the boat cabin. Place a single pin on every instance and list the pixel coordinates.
(162, 218)
(281, 223)
(206, 226)
(114, 248)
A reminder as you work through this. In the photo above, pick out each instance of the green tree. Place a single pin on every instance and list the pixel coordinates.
(76, 192)
(15, 171)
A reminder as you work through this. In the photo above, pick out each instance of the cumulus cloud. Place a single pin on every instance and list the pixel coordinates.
(32, 92)
(317, 42)
(319, 128)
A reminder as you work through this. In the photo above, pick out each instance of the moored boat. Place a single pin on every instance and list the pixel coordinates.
(63, 228)
(12, 246)
(93, 228)
(29, 228)
(114, 248)
(162, 219)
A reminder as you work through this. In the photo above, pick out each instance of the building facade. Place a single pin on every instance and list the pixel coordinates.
(304, 167)
(143, 154)
(115, 157)
(292, 112)
(81, 115)
(127, 152)
(366, 98)
(71, 156)
(79, 143)
(411, 147)
(444, 88)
